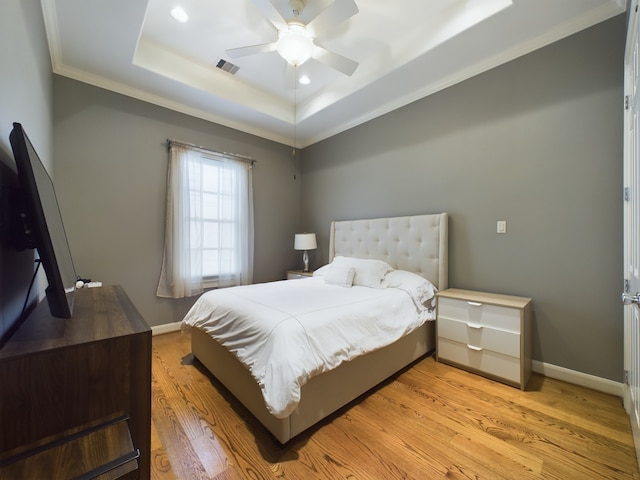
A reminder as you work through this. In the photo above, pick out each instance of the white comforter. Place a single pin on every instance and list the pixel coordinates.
(288, 331)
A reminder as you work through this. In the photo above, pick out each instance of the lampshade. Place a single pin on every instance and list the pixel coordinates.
(305, 241)
(295, 45)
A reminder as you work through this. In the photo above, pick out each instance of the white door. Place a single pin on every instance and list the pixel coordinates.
(631, 296)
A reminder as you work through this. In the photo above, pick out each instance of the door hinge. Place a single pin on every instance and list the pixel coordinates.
(627, 102)
(626, 285)
(626, 194)
(625, 377)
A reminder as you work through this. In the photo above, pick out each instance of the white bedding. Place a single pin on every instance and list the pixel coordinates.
(288, 331)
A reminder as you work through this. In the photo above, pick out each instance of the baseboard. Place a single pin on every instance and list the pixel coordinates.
(548, 370)
(166, 328)
(578, 378)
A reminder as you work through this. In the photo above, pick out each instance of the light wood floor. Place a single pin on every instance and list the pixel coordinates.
(431, 421)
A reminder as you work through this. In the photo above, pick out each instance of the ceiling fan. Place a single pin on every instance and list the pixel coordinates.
(296, 40)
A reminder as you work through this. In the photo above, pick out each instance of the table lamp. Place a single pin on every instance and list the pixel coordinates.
(305, 241)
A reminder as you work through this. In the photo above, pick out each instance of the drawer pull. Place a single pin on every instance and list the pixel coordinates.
(474, 348)
(475, 304)
(473, 325)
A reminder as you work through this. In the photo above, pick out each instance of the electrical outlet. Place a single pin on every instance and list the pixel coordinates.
(502, 226)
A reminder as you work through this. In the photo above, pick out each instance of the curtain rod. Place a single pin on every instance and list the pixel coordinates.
(246, 158)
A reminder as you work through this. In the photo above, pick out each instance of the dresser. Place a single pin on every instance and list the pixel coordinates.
(485, 333)
(75, 395)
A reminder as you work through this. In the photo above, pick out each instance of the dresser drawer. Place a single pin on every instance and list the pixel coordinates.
(478, 314)
(479, 336)
(484, 361)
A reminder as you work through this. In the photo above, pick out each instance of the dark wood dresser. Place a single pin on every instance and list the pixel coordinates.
(75, 394)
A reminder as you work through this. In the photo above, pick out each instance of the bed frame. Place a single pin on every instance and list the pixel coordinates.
(415, 243)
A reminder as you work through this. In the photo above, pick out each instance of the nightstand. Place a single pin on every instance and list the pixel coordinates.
(298, 274)
(485, 333)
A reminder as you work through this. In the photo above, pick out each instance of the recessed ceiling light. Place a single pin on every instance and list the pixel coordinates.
(304, 80)
(179, 14)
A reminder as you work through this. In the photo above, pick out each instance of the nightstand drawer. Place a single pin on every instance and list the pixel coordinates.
(477, 335)
(480, 314)
(480, 360)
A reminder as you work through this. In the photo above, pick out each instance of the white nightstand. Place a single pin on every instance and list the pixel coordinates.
(485, 333)
(298, 274)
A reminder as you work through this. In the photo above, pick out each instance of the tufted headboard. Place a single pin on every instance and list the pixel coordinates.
(416, 243)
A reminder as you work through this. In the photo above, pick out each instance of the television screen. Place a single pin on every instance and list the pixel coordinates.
(44, 224)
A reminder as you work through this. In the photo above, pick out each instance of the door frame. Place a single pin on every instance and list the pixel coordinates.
(631, 216)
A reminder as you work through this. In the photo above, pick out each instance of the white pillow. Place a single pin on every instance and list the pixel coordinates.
(421, 290)
(341, 276)
(369, 272)
(322, 271)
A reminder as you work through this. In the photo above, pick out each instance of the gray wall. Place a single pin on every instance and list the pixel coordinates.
(25, 97)
(25, 76)
(111, 172)
(536, 142)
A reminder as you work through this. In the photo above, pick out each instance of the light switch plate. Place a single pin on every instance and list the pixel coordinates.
(502, 226)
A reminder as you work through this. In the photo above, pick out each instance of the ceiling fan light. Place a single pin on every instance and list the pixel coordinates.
(295, 45)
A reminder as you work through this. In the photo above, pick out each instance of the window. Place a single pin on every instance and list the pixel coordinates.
(209, 227)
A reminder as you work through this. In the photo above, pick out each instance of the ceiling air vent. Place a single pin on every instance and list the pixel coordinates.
(227, 66)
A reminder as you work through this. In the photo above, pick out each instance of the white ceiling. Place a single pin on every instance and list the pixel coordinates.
(406, 50)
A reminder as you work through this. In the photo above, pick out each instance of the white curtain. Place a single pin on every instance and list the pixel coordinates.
(200, 253)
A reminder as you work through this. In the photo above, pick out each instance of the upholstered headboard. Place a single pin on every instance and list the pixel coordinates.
(416, 243)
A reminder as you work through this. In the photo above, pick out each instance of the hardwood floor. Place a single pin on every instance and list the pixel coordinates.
(431, 421)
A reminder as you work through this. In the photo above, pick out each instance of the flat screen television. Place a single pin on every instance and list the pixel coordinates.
(43, 225)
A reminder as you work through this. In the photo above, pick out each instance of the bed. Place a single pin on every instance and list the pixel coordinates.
(416, 244)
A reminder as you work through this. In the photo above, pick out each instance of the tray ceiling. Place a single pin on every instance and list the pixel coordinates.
(406, 50)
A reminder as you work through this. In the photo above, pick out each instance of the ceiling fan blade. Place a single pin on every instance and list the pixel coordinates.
(335, 60)
(336, 13)
(271, 13)
(251, 50)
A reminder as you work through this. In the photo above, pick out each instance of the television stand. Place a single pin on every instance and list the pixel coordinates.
(75, 395)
